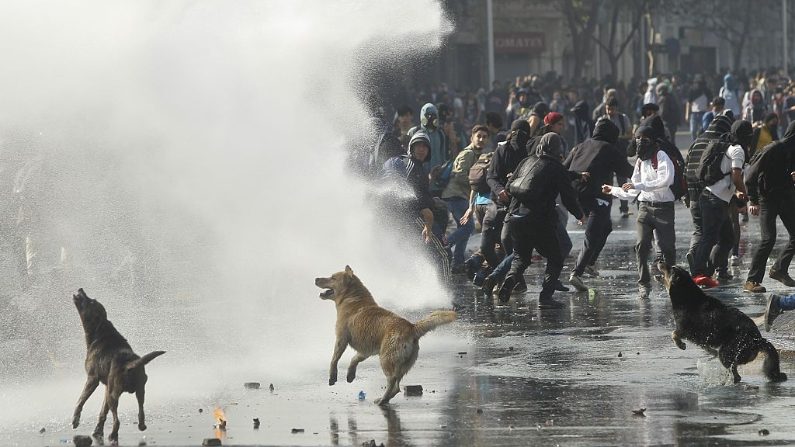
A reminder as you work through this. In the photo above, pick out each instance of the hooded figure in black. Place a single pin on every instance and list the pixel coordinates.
(599, 157)
(771, 193)
(533, 220)
(583, 126)
(504, 161)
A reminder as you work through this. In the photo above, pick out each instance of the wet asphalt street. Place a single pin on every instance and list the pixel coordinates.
(510, 375)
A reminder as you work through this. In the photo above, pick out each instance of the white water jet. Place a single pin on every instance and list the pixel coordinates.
(202, 140)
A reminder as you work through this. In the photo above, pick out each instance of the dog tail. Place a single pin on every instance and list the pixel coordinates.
(145, 359)
(771, 364)
(436, 318)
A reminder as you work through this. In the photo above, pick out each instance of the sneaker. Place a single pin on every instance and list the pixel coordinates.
(625, 214)
(772, 310)
(488, 286)
(505, 291)
(480, 277)
(560, 287)
(473, 264)
(724, 275)
(520, 287)
(591, 271)
(735, 260)
(782, 277)
(549, 303)
(754, 287)
(645, 291)
(705, 281)
(576, 281)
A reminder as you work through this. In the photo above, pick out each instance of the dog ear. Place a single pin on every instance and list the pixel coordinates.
(348, 270)
(145, 359)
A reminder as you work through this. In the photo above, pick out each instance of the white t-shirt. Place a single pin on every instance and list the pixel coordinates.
(699, 104)
(724, 188)
(651, 185)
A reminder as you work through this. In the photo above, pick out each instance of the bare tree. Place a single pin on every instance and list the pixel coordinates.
(614, 46)
(581, 17)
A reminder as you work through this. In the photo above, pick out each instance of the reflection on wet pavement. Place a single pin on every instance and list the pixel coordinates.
(518, 375)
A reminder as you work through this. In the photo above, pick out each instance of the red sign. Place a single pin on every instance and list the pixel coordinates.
(518, 43)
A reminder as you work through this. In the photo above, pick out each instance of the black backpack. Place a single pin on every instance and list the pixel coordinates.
(709, 170)
(478, 173)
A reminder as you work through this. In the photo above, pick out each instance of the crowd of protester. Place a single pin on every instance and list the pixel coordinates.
(515, 160)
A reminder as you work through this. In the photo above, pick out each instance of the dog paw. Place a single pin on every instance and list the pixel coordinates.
(332, 381)
(141, 426)
(377, 401)
(350, 377)
(680, 344)
(76, 422)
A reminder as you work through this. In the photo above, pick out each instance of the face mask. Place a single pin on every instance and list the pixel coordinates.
(645, 148)
(430, 120)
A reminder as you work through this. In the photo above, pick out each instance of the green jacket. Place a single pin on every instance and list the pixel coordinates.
(459, 177)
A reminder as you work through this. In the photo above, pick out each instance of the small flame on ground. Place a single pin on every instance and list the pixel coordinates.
(220, 427)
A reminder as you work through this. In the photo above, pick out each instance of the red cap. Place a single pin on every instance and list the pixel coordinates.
(552, 118)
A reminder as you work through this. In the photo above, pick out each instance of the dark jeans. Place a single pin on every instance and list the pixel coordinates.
(597, 228)
(489, 232)
(655, 219)
(709, 252)
(530, 233)
(777, 205)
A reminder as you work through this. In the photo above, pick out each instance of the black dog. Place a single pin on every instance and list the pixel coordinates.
(110, 360)
(721, 330)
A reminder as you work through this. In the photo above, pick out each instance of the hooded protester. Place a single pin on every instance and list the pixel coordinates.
(532, 216)
(710, 252)
(407, 172)
(771, 194)
(506, 158)
(583, 126)
(536, 119)
(729, 93)
(756, 110)
(431, 125)
(599, 157)
(650, 185)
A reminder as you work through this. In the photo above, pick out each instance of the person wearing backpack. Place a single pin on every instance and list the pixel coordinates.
(457, 195)
(719, 126)
(599, 157)
(534, 188)
(771, 194)
(721, 170)
(650, 184)
(505, 160)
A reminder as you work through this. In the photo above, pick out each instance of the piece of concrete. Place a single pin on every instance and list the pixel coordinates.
(252, 385)
(412, 390)
(211, 442)
(82, 441)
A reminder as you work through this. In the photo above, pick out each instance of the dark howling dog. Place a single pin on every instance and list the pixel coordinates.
(110, 360)
(721, 330)
(371, 329)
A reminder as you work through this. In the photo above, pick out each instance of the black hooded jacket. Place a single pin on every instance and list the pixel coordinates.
(600, 158)
(546, 178)
(505, 159)
(771, 172)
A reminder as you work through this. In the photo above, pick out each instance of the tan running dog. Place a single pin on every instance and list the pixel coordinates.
(371, 329)
(110, 360)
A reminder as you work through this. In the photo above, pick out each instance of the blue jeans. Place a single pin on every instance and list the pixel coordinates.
(786, 302)
(460, 236)
(695, 123)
